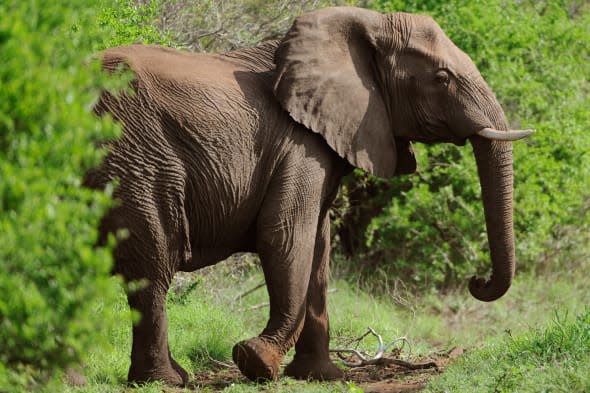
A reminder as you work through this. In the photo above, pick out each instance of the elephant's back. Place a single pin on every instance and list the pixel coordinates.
(210, 91)
(215, 99)
(213, 118)
(172, 63)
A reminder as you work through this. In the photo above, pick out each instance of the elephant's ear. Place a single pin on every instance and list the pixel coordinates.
(327, 80)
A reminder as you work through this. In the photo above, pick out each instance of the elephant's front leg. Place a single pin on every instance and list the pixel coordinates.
(286, 233)
(287, 265)
(312, 358)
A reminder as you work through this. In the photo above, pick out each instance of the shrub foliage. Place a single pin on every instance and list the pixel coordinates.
(428, 228)
(52, 279)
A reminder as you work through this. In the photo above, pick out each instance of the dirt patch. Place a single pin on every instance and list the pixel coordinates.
(391, 378)
(378, 378)
(218, 380)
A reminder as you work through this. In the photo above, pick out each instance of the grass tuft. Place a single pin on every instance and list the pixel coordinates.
(209, 312)
(553, 359)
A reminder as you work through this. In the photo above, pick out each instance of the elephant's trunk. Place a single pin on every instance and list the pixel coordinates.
(494, 165)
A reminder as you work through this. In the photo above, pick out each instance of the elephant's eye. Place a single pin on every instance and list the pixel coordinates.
(442, 77)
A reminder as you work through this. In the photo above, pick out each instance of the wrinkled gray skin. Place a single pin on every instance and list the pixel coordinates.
(244, 151)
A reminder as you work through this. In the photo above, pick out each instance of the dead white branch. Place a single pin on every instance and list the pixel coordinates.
(363, 358)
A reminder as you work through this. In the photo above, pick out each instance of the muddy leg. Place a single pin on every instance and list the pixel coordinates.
(286, 274)
(150, 356)
(312, 359)
(286, 236)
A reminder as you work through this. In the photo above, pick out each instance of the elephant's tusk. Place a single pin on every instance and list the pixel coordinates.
(511, 135)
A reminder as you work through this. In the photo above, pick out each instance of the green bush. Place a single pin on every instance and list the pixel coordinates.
(431, 230)
(54, 282)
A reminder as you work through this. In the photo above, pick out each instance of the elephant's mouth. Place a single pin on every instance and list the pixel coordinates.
(456, 140)
(460, 142)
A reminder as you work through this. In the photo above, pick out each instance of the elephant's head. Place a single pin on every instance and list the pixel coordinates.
(371, 83)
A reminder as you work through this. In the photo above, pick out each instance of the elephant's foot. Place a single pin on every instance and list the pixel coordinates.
(257, 359)
(312, 367)
(170, 373)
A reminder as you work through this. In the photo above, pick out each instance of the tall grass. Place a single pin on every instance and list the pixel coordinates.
(552, 359)
(207, 316)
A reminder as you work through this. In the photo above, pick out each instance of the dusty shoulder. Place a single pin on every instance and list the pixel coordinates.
(144, 57)
(161, 58)
(257, 58)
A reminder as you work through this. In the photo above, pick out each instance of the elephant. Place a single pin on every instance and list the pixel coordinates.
(244, 151)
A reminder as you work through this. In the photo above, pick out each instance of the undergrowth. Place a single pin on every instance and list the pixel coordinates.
(551, 359)
(212, 310)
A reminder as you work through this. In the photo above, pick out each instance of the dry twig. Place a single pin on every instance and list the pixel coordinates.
(249, 291)
(218, 362)
(378, 358)
(261, 305)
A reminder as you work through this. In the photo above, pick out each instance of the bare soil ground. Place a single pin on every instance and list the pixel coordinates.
(379, 378)
(391, 378)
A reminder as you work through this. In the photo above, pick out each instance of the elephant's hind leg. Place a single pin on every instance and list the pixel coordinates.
(151, 209)
(150, 356)
(146, 258)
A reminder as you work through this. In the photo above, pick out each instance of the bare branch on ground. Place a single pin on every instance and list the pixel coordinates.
(363, 359)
